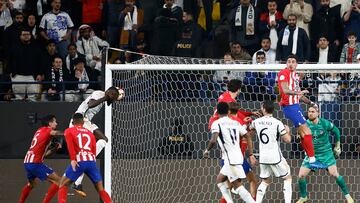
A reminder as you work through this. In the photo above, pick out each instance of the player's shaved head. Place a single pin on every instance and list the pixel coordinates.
(222, 108)
(268, 106)
(78, 119)
(234, 85)
(234, 107)
(47, 119)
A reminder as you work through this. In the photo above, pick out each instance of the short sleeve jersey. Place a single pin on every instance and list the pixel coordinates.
(84, 109)
(293, 80)
(230, 132)
(39, 144)
(81, 144)
(56, 25)
(269, 130)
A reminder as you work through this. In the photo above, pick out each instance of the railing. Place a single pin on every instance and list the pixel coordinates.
(63, 84)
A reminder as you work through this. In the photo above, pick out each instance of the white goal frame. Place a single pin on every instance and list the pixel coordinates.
(109, 68)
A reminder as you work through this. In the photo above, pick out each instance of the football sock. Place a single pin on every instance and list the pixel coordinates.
(100, 144)
(79, 180)
(25, 193)
(302, 186)
(62, 194)
(307, 145)
(105, 196)
(50, 193)
(261, 190)
(222, 200)
(341, 183)
(287, 191)
(225, 192)
(244, 194)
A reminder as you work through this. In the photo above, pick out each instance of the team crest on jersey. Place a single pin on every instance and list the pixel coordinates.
(282, 77)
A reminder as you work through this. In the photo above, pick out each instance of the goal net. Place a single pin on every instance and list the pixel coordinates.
(157, 134)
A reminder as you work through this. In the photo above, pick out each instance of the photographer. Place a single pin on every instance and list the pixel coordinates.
(352, 19)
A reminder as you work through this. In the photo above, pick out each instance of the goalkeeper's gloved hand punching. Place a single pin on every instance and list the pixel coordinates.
(337, 149)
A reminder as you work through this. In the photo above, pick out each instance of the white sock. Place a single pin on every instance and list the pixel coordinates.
(244, 194)
(225, 192)
(287, 191)
(261, 190)
(79, 180)
(312, 159)
(100, 144)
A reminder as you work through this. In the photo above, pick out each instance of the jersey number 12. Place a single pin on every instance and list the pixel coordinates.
(80, 139)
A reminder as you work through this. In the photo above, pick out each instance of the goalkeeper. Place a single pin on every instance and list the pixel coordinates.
(321, 129)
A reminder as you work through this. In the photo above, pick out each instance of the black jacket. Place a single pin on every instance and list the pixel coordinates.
(327, 21)
(333, 56)
(303, 46)
(165, 35)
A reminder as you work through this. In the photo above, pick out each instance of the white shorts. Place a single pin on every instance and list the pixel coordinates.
(233, 172)
(87, 124)
(279, 170)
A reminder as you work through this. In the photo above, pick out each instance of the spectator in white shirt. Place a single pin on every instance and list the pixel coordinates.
(269, 53)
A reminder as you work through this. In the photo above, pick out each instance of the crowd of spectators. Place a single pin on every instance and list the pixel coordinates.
(57, 41)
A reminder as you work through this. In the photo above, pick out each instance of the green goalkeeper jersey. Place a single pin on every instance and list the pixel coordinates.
(320, 134)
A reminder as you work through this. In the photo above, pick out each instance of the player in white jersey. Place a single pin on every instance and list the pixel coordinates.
(269, 130)
(89, 108)
(226, 132)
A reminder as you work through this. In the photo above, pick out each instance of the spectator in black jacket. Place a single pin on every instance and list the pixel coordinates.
(165, 34)
(293, 40)
(56, 75)
(70, 58)
(24, 66)
(327, 21)
(12, 33)
(326, 53)
(197, 31)
(5, 89)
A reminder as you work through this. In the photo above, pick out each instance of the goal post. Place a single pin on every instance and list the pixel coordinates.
(156, 94)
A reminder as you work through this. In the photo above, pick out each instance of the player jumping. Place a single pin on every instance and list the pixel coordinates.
(291, 94)
(33, 162)
(269, 130)
(81, 145)
(321, 129)
(89, 108)
(227, 132)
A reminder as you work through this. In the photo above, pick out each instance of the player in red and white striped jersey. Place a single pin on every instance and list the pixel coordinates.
(291, 94)
(33, 161)
(81, 145)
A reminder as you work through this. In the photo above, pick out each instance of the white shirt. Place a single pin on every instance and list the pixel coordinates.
(56, 26)
(269, 130)
(84, 109)
(270, 56)
(229, 136)
(323, 55)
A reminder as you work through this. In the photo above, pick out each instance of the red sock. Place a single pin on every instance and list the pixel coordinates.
(105, 196)
(50, 193)
(25, 193)
(307, 145)
(62, 194)
(222, 200)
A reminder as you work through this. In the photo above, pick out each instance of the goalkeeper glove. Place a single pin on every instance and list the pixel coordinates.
(337, 149)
